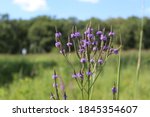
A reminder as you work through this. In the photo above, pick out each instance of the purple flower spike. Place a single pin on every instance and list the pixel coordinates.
(72, 35)
(115, 51)
(88, 31)
(90, 36)
(114, 90)
(81, 50)
(94, 43)
(111, 34)
(100, 61)
(69, 44)
(83, 60)
(57, 44)
(57, 34)
(105, 48)
(77, 34)
(89, 73)
(86, 43)
(103, 38)
(54, 76)
(99, 33)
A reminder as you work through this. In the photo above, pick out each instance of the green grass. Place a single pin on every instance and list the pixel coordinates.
(29, 77)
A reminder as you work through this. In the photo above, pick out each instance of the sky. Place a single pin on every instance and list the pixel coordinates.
(81, 9)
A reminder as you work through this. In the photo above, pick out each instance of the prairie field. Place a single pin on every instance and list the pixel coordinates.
(29, 77)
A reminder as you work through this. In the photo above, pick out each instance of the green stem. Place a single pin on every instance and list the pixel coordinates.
(118, 75)
(56, 89)
(89, 87)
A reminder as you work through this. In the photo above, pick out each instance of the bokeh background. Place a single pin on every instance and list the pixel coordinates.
(28, 54)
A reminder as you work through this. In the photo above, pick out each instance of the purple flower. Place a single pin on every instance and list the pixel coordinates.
(77, 34)
(114, 90)
(88, 31)
(115, 51)
(81, 50)
(86, 43)
(57, 34)
(72, 35)
(94, 43)
(111, 50)
(90, 35)
(80, 75)
(83, 60)
(94, 48)
(57, 44)
(65, 96)
(100, 61)
(54, 76)
(92, 60)
(89, 73)
(55, 85)
(103, 38)
(105, 48)
(111, 34)
(74, 75)
(99, 33)
(69, 44)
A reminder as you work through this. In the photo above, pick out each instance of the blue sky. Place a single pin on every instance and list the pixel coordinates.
(81, 9)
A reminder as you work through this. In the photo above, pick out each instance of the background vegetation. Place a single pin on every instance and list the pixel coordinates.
(30, 76)
(37, 34)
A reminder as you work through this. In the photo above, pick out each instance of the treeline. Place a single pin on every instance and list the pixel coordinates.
(38, 34)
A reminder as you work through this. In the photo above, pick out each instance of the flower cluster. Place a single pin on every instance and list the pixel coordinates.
(92, 49)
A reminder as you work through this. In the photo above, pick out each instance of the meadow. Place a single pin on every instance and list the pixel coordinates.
(29, 77)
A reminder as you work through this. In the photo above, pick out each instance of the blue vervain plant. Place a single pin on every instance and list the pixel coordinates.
(92, 51)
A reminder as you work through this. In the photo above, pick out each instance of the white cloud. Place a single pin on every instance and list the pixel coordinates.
(31, 5)
(90, 1)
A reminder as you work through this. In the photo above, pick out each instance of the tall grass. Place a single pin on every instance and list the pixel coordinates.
(140, 51)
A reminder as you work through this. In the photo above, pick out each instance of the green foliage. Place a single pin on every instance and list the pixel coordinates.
(20, 66)
(39, 86)
(37, 35)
